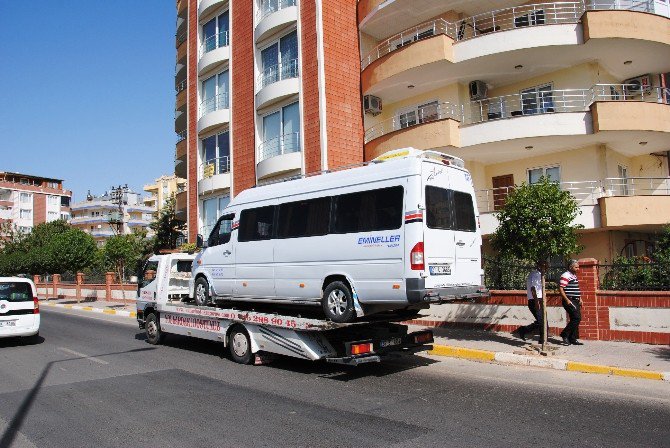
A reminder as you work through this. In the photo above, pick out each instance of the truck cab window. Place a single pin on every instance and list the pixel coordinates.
(148, 273)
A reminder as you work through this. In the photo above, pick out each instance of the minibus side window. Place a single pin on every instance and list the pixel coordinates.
(304, 218)
(465, 212)
(256, 224)
(438, 208)
(369, 211)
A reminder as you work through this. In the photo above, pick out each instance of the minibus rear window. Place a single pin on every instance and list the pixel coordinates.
(465, 212)
(449, 210)
(369, 211)
(16, 292)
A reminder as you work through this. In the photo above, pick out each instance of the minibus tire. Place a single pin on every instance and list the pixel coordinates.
(203, 298)
(334, 296)
(153, 328)
(240, 345)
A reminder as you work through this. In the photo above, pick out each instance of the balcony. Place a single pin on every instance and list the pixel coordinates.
(181, 203)
(274, 15)
(208, 6)
(213, 51)
(180, 147)
(277, 82)
(182, 7)
(214, 175)
(279, 155)
(181, 166)
(181, 95)
(182, 48)
(213, 112)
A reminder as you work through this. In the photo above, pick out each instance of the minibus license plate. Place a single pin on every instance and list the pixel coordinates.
(440, 269)
(8, 323)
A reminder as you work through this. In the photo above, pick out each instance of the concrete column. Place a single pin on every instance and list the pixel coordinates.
(37, 279)
(80, 280)
(55, 282)
(589, 284)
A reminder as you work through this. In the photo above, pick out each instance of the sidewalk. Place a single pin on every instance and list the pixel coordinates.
(604, 357)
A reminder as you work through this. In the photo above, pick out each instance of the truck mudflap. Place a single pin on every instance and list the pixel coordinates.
(374, 350)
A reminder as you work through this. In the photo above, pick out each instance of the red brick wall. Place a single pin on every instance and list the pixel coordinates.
(343, 83)
(39, 209)
(310, 86)
(243, 108)
(191, 119)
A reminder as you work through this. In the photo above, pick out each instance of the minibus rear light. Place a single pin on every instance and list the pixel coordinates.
(36, 306)
(416, 258)
(361, 348)
(423, 338)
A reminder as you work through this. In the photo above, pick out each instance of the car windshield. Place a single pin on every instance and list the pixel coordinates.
(16, 291)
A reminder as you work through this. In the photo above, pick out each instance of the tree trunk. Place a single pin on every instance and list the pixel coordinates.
(545, 325)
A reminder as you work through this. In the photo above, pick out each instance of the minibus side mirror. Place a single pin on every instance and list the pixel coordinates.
(199, 243)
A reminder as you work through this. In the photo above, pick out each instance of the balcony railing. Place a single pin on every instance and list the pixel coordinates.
(181, 37)
(275, 73)
(267, 7)
(283, 144)
(181, 136)
(502, 20)
(213, 42)
(586, 192)
(419, 116)
(212, 167)
(180, 87)
(522, 104)
(217, 102)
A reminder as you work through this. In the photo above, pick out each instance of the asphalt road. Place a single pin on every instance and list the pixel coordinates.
(95, 381)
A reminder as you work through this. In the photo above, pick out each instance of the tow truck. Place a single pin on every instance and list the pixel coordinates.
(255, 334)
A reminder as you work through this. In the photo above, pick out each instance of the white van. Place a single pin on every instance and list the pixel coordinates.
(394, 234)
(19, 308)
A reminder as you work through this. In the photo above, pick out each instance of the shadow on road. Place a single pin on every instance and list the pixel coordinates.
(21, 413)
(20, 341)
(660, 352)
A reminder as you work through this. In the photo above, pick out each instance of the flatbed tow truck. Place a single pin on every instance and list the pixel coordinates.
(255, 333)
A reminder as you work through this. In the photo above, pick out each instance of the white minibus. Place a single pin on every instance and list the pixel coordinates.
(395, 234)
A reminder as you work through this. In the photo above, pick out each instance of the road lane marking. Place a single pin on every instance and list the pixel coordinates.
(92, 358)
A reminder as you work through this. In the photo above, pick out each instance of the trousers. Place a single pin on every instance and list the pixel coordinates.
(571, 330)
(536, 311)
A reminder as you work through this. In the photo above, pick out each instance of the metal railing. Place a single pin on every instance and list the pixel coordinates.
(419, 116)
(267, 7)
(180, 87)
(181, 136)
(213, 42)
(275, 73)
(630, 92)
(181, 37)
(283, 144)
(217, 102)
(212, 167)
(502, 20)
(585, 192)
(635, 274)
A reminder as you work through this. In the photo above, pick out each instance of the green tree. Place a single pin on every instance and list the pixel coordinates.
(536, 224)
(69, 251)
(167, 227)
(125, 252)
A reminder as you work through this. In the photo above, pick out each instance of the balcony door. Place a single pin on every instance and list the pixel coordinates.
(502, 186)
(280, 60)
(215, 32)
(281, 131)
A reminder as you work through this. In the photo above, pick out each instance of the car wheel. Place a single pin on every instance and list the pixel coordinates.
(153, 328)
(240, 345)
(338, 303)
(201, 294)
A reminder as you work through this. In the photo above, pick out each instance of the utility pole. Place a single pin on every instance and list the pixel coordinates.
(116, 218)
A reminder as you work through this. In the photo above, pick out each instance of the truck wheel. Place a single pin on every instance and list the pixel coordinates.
(338, 303)
(154, 334)
(202, 292)
(240, 346)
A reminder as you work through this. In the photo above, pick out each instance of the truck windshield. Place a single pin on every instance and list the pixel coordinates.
(16, 291)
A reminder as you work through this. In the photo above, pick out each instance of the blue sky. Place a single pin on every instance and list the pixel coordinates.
(87, 91)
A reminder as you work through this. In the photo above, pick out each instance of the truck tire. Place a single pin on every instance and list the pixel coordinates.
(240, 345)
(338, 303)
(201, 292)
(153, 328)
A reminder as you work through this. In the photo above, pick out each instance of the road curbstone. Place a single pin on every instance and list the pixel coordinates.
(461, 352)
(93, 309)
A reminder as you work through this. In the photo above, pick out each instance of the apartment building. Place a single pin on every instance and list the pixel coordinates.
(575, 91)
(265, 90)
(102, 217)
(27, 200)
(161, 190)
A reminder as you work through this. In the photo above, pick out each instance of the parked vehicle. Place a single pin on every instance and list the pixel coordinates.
(394, 234)
(19, 308)
(252, 335)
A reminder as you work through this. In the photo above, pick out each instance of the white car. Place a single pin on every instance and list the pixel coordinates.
(19, 308)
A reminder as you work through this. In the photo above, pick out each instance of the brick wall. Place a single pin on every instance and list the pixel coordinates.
(191, 120)
(39, 208)
(309, 75)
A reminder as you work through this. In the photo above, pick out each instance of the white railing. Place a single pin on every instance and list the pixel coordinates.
(267, 7)
(283, 144)
(585, 192)
(502, 20)
(630, 92)
(419, 116)
(213, 42)
(180, 87)
(275, 73)
(212, 167)
(181, 136)
(217, 102)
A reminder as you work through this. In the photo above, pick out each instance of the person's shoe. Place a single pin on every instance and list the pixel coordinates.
(522, 333)
(565, 340)
(576, 342)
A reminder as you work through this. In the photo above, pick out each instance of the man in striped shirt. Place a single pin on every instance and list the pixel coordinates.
(568, 288)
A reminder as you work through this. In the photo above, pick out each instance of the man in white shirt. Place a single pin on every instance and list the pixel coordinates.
(534, 293)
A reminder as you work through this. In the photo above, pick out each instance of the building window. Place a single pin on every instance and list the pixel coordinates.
(26, 198)
(64, 216)
(537, 100)
(216, 154)
(422, 113)
(53, 200)
(215, 33)
(215, 93)
(267, 7)
(550, 172)
(211, 210)
(25, 214)
(280, 60)
(281, 132)
(64, 201)
(52, 216)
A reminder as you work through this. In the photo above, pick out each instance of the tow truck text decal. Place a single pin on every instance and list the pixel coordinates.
(193, 322)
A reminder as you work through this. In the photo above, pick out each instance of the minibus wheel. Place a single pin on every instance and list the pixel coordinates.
(201, 292)
(338, 303)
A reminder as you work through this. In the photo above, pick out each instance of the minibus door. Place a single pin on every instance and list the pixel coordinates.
(219, 257)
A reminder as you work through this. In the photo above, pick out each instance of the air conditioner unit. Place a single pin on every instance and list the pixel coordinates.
(635, 86)
(372, 105)
(478, 90)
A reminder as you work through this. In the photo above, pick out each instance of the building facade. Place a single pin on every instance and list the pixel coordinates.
(26, 200)
(161, 190)
(102, 217)
(575, 91)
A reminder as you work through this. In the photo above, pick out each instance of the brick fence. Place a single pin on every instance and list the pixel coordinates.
(79, 290)
(636, 316)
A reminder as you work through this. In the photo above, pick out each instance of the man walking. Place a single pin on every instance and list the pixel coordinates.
(571, 296)
(534, 293)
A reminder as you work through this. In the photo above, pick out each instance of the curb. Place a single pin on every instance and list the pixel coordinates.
(93, 309)
(547, 363)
